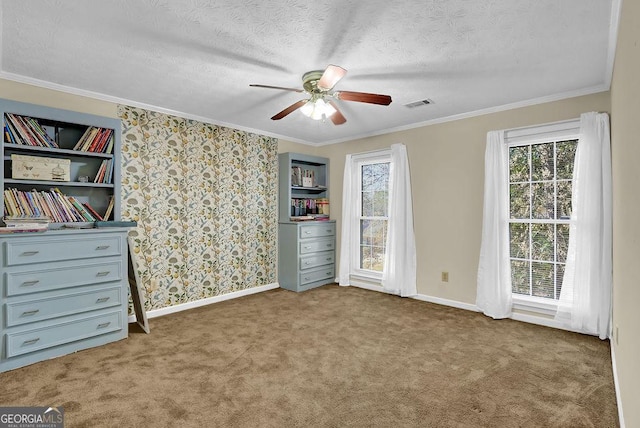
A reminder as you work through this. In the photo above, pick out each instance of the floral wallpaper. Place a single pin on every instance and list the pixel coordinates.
(205, 199)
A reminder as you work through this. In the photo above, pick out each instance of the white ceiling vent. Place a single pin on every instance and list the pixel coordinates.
(415, 104)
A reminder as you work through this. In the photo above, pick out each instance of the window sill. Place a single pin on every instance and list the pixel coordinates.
(535, 304)
(363, 280)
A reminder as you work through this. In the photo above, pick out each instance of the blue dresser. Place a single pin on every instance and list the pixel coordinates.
(62, 291)
(306, 257)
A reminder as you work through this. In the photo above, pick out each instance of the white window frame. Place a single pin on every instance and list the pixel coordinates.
(547, 133)
(358, 160)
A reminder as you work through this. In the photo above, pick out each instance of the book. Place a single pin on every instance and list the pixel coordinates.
(80, 209)
(21, 229)
(92, 211)
(107, 213)
(124, 223)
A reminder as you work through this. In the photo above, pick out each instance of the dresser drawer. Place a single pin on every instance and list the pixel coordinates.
(318, 259)
(68, 304)
(317, 275)
(23, 342)
(317, 231)
(51, 249)
(25, 280)
(317, 245)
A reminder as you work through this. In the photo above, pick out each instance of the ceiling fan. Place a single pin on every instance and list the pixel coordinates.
(318, 85)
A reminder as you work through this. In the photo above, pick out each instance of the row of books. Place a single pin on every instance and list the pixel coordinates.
(53, 204)
(96, 140)
(302, 207)
(105, 172)
(26, 131)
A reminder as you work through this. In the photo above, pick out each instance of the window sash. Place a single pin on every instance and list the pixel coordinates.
(359, 161)
(557, 267)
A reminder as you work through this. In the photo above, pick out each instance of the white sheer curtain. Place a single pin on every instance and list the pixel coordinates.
(349, 194)
(585, 298)
(494, 270)
(399, 273)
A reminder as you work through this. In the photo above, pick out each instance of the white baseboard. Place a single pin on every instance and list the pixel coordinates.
(617, 385)
(446, 302)
(367, 286)
(203, 302)
(423, 297)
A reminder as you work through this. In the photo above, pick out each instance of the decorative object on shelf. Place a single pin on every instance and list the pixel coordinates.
(40, 168)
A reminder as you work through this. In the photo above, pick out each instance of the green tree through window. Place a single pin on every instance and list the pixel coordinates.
(374, 212)
(540, 208)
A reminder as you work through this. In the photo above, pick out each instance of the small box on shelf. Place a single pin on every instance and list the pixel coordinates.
(40, 168)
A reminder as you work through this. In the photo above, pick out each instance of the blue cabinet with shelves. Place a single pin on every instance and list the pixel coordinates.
(306, 256)
(63, 129)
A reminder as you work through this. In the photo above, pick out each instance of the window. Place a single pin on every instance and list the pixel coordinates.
(540, 176)
(372, 212)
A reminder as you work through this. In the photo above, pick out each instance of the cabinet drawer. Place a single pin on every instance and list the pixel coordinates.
(317, 275)
(23, 342)
(318, 245)
(318, 259)
(50, 249)
(21, 281)
(52, 307)
(316, 231)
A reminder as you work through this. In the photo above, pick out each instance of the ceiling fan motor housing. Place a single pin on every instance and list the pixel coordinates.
(310, 81)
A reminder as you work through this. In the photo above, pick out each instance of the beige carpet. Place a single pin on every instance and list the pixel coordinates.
(329, 357)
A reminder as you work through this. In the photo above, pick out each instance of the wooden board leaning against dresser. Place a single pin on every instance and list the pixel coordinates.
(62, 291)
(306, 256)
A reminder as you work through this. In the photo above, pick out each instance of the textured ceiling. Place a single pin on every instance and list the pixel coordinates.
(197, 58)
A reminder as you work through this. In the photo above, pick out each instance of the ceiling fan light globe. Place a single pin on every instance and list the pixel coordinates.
(308, 108)
(317, 114)
(328, 109)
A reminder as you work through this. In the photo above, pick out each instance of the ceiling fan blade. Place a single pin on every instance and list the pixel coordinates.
(337, 118)
(277, 87)
(364, 97)
(331, 76)
(290, 109)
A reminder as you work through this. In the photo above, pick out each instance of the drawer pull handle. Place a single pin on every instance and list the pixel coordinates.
(30, 283)
(30, 342)
(329, 230)
(307, 247)
(306, 278)
(329, 259)
(103, 273)
(102, 299)
(102, 247)
(29, 253)
(104, 324)
(29, 313)
(329, 245)
(307, 262)
(307, 232)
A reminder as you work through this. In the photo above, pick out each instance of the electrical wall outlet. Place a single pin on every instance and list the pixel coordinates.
(445, 276)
